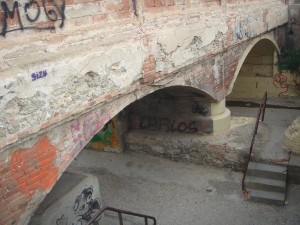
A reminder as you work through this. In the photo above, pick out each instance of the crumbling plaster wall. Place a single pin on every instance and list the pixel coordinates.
(59, 87)
(83, 65)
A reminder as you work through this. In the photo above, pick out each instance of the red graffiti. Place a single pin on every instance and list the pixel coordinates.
(280, 81)
(33, 168)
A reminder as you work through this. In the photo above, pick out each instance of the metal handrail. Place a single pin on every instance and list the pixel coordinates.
(262, 108)
(120, 212)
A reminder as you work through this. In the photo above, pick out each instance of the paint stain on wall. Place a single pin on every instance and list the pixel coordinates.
(33, 168)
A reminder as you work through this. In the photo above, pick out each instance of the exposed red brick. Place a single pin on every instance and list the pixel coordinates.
(100, 17)
(124, 14)
(18, 163)
(149, 3)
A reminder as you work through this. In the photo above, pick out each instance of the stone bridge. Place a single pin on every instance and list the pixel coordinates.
(69, 66)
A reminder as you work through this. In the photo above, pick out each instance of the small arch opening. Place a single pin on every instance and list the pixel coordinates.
(256, 74)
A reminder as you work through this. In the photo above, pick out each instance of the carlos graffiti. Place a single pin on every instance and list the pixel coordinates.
(53, 10)
(85, 208)
(164, 123)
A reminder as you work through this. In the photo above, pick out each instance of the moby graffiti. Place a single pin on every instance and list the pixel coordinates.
(52, 10)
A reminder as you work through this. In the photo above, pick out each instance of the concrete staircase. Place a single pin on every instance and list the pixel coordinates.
(266, 183)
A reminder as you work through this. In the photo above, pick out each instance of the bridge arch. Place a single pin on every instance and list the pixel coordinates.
(53, 151)
(266, 41)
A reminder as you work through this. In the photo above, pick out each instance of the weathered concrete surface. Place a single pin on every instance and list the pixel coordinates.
(277, 120)
(294, 169)
(115, 54)
(292, 136)
(227, 149)
(59, 88)
(75, 199)
(177, 193)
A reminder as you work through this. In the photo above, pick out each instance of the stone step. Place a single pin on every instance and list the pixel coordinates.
(267, 171)
(265, 184)
(266, 196)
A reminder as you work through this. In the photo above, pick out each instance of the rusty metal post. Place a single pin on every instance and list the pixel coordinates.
(264, 107)
(146, 221)
(120, 218)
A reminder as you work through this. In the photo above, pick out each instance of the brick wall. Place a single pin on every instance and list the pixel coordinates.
(60, 86)
(48, 155)
(42, 15)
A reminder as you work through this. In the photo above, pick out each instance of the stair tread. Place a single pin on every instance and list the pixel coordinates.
(266, 194)
(266, 181)
(267, 167)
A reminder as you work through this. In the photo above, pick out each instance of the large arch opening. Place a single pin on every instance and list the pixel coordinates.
(256, 72)
(155, 134)
(175, 113)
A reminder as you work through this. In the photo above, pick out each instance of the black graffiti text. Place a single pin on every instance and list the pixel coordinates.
(52, 10)
(196, 108)
(167, 124)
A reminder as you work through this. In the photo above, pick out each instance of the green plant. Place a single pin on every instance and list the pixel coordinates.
(290, 60)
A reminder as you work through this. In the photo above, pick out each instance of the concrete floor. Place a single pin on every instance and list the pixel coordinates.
(186, 194)
(276, 122)
(177, 193)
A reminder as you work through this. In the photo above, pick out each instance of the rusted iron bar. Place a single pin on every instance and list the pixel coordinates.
(120, 218)
(261, 110)
(120, 212)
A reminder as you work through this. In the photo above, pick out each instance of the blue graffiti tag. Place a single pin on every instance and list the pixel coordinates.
(39, 75)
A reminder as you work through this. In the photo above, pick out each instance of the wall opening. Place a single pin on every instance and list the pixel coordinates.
(257, 72)
(172, 110)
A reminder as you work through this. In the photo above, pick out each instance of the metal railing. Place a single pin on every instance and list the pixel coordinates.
(120, 212)
(261, 112)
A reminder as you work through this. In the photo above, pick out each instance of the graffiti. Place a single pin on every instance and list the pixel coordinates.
(62, 221)
(164, 123)
(91, 125)
(52, 11)
(84, 209)
(280, 81)
(39, 75)
(239, 30)
(84, 129)
(103, 135)
(260, 75)
(196, 108)
(77, 134)
(107, 138)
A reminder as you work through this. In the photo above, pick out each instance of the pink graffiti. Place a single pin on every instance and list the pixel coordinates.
(280, 81)
(84, 129)
(90, 125)
(76, 132)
